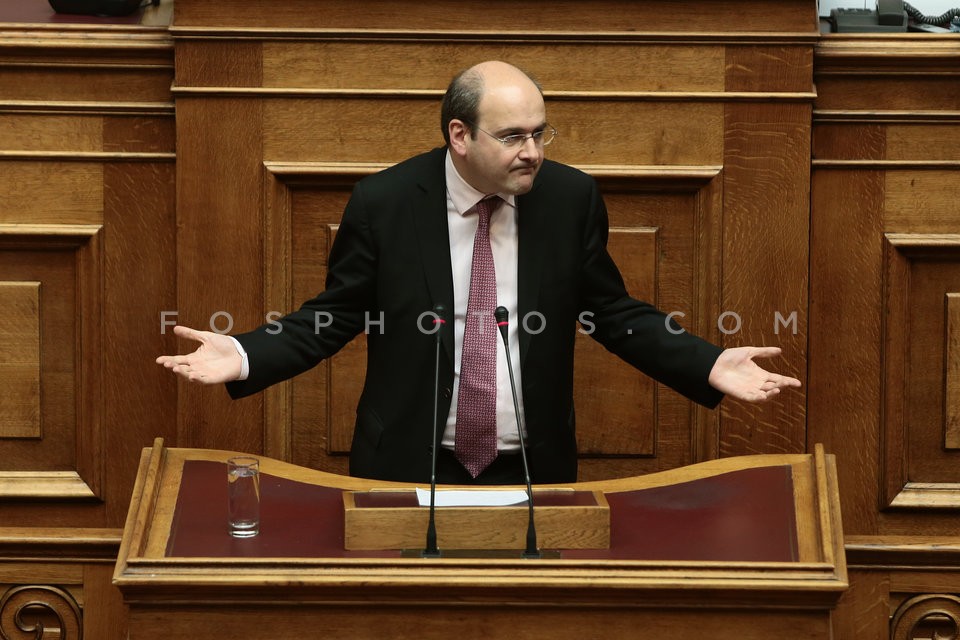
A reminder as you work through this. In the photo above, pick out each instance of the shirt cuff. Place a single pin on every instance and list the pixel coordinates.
(245, 362)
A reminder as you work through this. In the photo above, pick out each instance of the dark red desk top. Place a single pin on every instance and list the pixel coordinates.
(746, 515)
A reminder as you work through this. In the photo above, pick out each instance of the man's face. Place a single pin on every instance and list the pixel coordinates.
(487, 164)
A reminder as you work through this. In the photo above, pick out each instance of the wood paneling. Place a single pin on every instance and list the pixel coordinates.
(20, 360)
(87, 176)
(64, 311)
(485, 17)
(951, 355)
(419, 65)
(277, 119)
(760, 177)
(883, 266)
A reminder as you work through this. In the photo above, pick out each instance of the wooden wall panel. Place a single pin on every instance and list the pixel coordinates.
(881, 198)
(766, 194)
(493, 17)
(626, 131)
(766, 204)
(219, 240)
(320, 102)
(421, 66)
(63, 265)
(883, 266)
(87, 213)
(20, 360)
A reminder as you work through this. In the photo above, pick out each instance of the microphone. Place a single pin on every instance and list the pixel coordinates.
(501, 314)
(431, 550)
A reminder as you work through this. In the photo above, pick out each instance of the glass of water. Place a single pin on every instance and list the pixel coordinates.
(243, 496)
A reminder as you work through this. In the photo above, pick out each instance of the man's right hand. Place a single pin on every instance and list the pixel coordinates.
(214, 362)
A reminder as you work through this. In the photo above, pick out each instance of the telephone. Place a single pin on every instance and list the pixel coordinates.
(100, 7)
(889, 16)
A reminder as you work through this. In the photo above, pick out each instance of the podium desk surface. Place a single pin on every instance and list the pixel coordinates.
(744, 515)
(745, 532)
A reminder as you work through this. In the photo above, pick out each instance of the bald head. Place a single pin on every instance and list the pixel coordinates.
(491, 79)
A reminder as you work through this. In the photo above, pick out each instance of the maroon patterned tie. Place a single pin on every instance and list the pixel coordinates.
(476, 432)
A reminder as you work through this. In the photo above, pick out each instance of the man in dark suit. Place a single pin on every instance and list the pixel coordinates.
(408, 242)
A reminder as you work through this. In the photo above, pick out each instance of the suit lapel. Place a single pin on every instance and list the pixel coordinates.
(429, 211)
(530, 221)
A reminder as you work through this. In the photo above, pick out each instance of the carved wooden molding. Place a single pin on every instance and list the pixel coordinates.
(50, 107)
(89, 156)
(884, 116)
(460, 35)
(905, 552)
(952, 370)
(435, 95)
(899, 491)
(23, 610)
(939, 609)
(61, 544)
(85, 481)
(901, 54)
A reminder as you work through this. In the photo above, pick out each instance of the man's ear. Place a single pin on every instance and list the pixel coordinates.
(458, 132)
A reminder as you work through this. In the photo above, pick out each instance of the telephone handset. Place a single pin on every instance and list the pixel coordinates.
(891, 12)
(889, 16)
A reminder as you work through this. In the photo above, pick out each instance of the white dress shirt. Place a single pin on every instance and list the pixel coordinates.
(462, 221)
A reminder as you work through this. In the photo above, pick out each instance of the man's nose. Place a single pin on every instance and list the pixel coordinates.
(529, 148)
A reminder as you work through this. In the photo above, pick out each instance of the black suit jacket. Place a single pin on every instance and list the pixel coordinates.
(390, 264)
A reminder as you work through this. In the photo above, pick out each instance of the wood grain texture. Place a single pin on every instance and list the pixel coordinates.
(377, 597)
(500, 16)
(629, 85)
(951, 401)
(766, 231)
(845, 387)
(219, 239)
(20, 360)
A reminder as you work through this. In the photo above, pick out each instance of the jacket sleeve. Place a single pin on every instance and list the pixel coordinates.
(634, 330)
(323, 325)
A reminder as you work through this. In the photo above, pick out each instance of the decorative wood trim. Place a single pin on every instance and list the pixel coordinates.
(890, 54)
(277, 284)
(894, 332)
(885, 165)
(929, 495)
(89, 156)
(48, 599)
(901, 552)
(678, 177)
(899, 491)
(52, 43)
(185, 91)
(86, 482)
(943, 608)
(951, 374)
(53, 107)
(764, 38)
(44, 485)
(821, 116)
(60, 544)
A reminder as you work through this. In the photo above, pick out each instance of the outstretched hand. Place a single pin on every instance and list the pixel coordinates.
(215, 361)
(736, 374)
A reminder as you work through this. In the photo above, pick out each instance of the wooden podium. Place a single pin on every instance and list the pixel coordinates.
(741, 548)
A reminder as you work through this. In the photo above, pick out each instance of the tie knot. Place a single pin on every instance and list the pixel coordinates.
(486, 206)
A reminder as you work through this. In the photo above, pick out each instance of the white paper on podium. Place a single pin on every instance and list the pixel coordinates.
(473, 497)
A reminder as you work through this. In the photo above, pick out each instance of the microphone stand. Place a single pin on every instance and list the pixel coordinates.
(431, 550)
(501, 314)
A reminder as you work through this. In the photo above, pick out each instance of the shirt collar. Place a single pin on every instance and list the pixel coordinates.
(463, 196)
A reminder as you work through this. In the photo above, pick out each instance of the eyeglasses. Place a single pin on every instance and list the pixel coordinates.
(541, 137)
